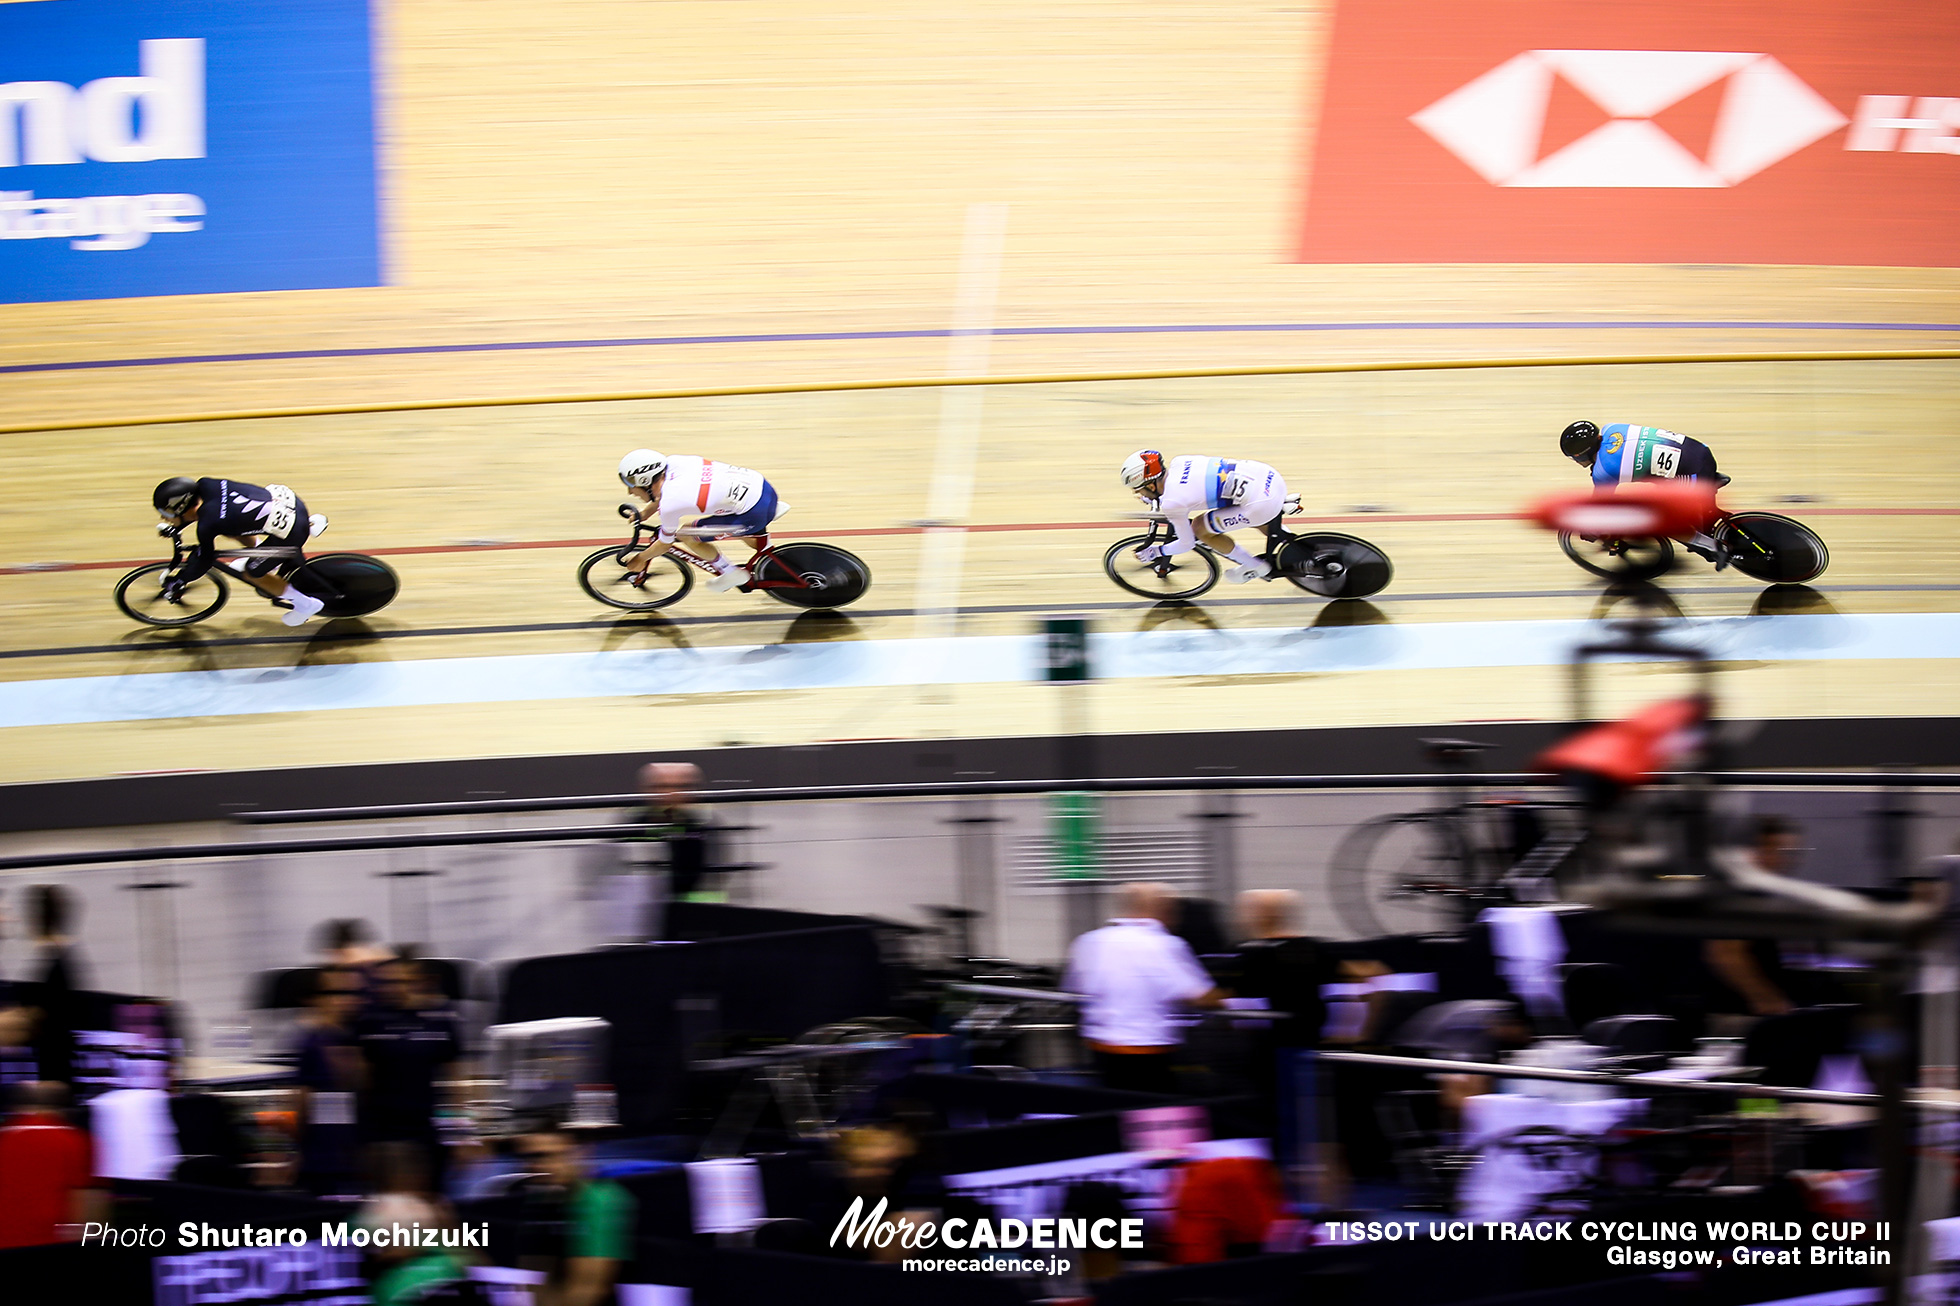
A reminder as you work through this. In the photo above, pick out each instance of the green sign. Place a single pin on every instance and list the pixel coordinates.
(1076, 820)
(1066, 643)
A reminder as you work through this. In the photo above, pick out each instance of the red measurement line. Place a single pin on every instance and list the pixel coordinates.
(494, 546)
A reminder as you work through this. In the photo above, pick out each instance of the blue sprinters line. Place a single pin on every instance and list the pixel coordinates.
(805, 337)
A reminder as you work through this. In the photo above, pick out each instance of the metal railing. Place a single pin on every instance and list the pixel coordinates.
(1650, 1081)
(1889, 780)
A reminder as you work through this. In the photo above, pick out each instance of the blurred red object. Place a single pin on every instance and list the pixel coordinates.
(1638, 508)
(1225, 1205)
(1626, 753)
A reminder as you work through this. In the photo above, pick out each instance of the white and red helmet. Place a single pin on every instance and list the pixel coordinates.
(642, 467)
(1141, 468)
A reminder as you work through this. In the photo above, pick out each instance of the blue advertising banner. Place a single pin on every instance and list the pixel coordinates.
(185, 147)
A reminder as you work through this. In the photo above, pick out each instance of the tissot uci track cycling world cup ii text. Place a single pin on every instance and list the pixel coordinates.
(174, 147)
(1677, 131)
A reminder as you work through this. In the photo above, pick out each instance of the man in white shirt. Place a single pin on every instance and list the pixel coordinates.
(1137, 976)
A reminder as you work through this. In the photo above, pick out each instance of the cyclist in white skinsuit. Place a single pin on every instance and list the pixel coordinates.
(721, 496)
(1206, 499)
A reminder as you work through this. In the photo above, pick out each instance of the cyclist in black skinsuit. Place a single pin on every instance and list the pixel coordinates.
(260, 515)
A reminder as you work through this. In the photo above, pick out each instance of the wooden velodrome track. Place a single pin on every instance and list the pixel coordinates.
(775, 194)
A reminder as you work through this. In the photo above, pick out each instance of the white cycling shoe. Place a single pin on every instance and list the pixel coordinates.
(305, 608)
(733, 578)
(1259, 569)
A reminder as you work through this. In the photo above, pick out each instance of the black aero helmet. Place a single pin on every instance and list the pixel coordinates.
(174, 495)
(1579, 441)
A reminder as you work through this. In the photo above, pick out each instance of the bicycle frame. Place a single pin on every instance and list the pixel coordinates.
(766, 552)
(1161, 532)
(180, 553)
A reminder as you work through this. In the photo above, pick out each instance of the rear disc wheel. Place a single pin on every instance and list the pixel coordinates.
(348, 584)
(825, 575)
(1335, 566)
(1767, 547)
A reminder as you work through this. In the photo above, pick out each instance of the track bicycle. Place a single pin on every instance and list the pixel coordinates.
(1437, 868)
(1326, 563)
(1761, 545)
(801, 573)
(347, 584)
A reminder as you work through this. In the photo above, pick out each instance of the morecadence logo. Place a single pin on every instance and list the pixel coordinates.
(871, 1230)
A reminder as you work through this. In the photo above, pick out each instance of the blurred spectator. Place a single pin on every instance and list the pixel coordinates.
(327, 1076)
(1223, 1207)
(403, 1197)
(1286, 970)
(679, 839)
(135, 1132)
(1195, 920)
(406, 1275)
(1136, 976)
(407, 1042)
(882, 1162)
(1750, 971)
(597, 1218)
(1094, 1200)
(52, 916)
(18, 1064)
(46, 1187)
(150, 1125)
(349, 944)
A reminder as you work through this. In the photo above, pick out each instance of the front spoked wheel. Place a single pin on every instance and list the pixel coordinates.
(1185, 576)
(806, 575)
(1639, 557)
(1766, 547)
(1335, 566)
(606, 577)
(140, 595)
(1399, 874)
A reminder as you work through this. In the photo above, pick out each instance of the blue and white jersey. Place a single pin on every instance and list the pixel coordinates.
(1194, 484)
(1628, 452)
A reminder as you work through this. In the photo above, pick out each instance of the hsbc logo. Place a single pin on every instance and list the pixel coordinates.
(1496, 123)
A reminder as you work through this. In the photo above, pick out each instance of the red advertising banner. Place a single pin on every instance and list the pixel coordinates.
(1647, 131)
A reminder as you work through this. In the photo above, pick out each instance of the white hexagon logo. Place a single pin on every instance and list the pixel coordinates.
(1496, 123)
